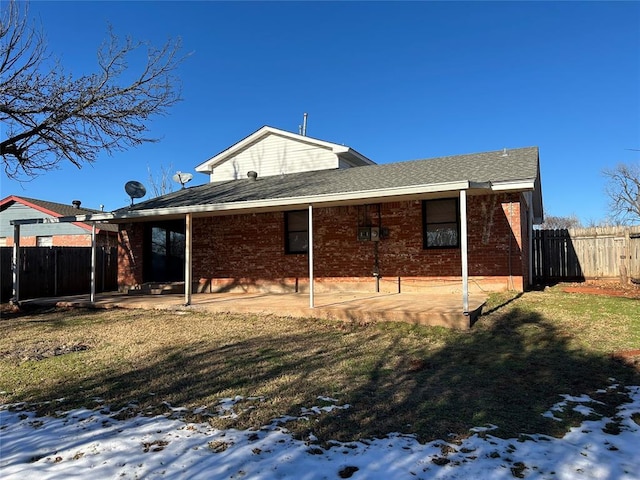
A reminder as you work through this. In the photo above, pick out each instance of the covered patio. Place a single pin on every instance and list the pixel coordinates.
(435, 309)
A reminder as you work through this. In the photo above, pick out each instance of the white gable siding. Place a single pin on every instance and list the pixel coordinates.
(276, 155)
(18, 211)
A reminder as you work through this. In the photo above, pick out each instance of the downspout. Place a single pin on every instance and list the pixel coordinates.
(188, 224)
(15, 264)
(464, 252)
(311, 292)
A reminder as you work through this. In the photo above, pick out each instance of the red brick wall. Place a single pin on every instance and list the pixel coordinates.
(130, 249)
(67, 240)
(249, 249)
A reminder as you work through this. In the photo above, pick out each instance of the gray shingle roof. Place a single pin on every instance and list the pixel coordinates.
(499, 166)
(60, 208)
(65, 210)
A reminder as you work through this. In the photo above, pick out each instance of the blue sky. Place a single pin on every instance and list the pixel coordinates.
(395, 81)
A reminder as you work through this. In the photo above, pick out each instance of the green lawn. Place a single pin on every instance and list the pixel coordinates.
(509, 369)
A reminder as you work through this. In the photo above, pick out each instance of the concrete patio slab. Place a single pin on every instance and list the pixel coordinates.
(416, 308)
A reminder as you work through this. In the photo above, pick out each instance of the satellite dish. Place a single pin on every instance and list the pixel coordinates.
(182, 178)
(135, 190)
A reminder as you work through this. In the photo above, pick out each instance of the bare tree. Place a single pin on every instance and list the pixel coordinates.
(553, 223)
(161, 183)
(623, 190)
(49, 117)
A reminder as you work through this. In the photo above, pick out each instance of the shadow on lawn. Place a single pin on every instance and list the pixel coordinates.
(507, 372)
(507, 375)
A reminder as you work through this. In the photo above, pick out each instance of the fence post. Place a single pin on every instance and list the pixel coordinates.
(625, 258)
(55, 272)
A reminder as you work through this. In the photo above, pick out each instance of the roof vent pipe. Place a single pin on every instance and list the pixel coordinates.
(252, 175)
(304, 124)
(76, 203)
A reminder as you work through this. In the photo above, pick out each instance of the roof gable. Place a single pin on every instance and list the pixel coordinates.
(271, 151)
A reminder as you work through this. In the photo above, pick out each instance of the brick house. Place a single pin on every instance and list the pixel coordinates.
(53, 234)
(284, 212)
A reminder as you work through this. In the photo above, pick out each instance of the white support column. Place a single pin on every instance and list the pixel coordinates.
(530, 234)
(311, 293)
(15, 263)
(93, 263)
(187, 258)
(464, 252)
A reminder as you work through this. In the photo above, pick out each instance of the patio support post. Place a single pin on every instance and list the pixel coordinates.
(187, 258)
(464, 252)
(311, 256)
(92, 298)
(15, 263)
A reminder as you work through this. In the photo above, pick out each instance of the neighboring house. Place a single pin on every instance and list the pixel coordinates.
(66, 234)
(464, 221)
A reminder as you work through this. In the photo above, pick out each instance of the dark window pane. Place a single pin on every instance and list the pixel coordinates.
(298, 221)
(442, 235)
(159, 241)
(298, 242)
(297, 235)
(441, 211)
(177, 244)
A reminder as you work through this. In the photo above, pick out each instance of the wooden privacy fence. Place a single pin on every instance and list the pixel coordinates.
(56, 271)
(578, 254)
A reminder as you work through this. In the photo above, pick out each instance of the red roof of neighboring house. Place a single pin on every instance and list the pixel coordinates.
(57, 210)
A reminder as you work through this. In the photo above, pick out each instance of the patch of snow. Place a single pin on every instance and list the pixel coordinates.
(92, 443)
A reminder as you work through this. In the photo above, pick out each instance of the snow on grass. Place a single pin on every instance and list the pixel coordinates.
(95, 444)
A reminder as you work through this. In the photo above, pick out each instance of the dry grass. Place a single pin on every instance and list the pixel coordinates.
(397, 377)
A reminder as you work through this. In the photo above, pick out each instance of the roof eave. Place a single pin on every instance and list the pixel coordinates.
(332, 199)
(530, 185)
(514, 185)
(351, 153)
(289, 203)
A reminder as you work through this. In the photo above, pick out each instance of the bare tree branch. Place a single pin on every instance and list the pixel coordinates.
(623, 190)
(161, 183)
(50, 117)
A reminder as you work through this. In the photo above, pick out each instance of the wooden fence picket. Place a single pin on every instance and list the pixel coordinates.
(57, 271)
(605, 253)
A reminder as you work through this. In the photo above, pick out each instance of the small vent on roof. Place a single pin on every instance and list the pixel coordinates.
(504, 152)
(76, 203)
(252, 175)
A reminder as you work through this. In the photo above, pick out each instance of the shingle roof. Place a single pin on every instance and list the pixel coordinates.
(65, 210)
(61, 208)
(499, 166)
